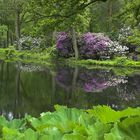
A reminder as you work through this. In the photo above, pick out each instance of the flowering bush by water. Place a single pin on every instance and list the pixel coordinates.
(90, 45)
(64, 44)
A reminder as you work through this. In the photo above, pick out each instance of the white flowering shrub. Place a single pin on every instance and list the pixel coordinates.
(124, 33)
(116, 48)
(28, 42)
(131, 38)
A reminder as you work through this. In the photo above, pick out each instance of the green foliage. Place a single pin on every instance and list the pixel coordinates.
(37, 55)
(113, 116)
(3, 33)
(117, 62)
(130, 13)
(135, 38)
(3, 28)
(48, 55)
(99, 123)
(104, 19)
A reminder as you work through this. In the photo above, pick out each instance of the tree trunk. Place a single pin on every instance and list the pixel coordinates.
(110, 8)
(17, 28)
(18, 98)
(53, 90)
(74, 42)
(7, 42)
(74, 82)
(11, 38)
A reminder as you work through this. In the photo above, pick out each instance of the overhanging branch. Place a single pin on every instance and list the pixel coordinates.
(74, 12)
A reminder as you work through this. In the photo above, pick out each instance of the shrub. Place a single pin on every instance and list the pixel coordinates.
(98, 45)
(91, 45)
(124, 33)
(135, 39)
(117, 49)
(10, 52)
(29, 43)
(64, 45)
(130, 37)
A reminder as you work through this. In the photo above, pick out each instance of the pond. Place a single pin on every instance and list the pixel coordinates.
(33, 89)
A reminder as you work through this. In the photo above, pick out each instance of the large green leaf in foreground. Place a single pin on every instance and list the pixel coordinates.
(99, 123)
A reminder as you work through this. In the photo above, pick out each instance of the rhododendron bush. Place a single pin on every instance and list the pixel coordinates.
(93, 45)
(64, 44)
(90, 45)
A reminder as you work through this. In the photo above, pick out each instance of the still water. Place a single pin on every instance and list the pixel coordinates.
(33, 89)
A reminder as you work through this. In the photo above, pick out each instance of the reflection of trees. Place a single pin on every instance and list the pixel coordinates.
(112, 90)
(23, 92)
(7, 88)
(88, 80)
(64, 78)
(130, 93)
(33, 92)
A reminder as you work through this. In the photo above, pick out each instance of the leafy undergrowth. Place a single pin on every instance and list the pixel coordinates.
(44, 57)
(99, 123)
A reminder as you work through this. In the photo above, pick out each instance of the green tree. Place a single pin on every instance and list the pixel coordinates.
(56, 15)
(12, 14)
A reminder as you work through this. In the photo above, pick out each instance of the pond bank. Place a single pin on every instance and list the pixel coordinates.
(37, 57)
(47, 56)
(117, 62)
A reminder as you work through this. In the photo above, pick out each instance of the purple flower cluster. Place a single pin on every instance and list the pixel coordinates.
(90, 45)
(93, 44)
(64, 44)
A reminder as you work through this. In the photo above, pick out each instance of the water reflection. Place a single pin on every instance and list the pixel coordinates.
(89, 80)
(31, 89)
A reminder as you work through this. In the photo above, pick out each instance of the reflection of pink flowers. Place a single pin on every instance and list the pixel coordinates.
(92, 81)
(89, 81)
(88, 87)
(94, 86)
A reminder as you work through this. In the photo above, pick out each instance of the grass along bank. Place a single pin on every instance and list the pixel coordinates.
(98, 123)
(117, 62)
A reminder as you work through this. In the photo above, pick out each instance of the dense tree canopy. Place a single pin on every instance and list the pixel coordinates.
(44, 18)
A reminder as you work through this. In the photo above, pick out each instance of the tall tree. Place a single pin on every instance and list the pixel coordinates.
(58, 14)
(12, 14)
